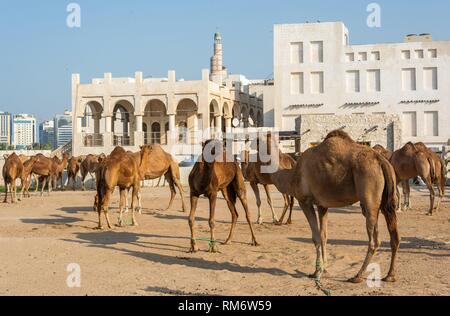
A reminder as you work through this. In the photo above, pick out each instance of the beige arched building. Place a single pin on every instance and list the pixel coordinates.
(131, 112)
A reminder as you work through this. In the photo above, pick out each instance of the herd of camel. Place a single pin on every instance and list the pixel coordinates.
(337, 173)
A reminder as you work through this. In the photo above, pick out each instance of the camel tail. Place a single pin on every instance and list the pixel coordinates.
(389, 203)
(432, 169)
(175, 170)
(443, 174)
(232, 194)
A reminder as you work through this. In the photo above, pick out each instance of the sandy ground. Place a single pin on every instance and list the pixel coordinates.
(40, 237)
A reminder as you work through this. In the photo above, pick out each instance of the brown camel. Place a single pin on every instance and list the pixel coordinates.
(12, 170)
(410, 162)
(26, 176)
(210, 175)
(73, 167)
(58, 169)
(160, 164)
(383, 151)
(44, 168)
(440, 172)
(252, 173)
(89, 166)
(119, 170)
(338, 173)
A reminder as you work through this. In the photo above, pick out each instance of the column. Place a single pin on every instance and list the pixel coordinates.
(108, 137)
(218, 124)
(138, 135)
(172, 133)
(229, 125)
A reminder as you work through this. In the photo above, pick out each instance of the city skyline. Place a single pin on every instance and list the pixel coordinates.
(43, 88)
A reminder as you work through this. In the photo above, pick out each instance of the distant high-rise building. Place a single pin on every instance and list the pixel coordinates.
(47, 133)
(63, 129)
(5, 128)
(24, 129)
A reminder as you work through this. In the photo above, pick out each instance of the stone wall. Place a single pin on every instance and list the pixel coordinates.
(374, 129)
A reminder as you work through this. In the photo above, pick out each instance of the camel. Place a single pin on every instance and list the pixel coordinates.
(161, 164)
(12, 170)
(58, 169)
(410, 162)
(26, 176)
(208, 177)
(73, 167)
(44, 168)
(252, 173)
(383, 151)
(89, 166)
(119, 170)
(338, 173)
(440, 172)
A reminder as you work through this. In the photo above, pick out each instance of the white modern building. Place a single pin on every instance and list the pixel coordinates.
(134, 111)
(62, 129)
(47, 133)
(5, 128)
(319, 73)
(24, 129)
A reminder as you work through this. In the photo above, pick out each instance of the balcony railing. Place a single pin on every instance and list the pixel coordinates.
(123, 140)
(93, 140)
(155, 138)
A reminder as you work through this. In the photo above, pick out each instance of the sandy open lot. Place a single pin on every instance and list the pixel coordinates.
(40, 237)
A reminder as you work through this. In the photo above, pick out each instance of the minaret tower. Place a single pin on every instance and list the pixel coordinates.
(218, 70)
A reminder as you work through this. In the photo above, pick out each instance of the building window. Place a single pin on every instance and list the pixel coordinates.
(373, 80)
(362, 56)
(409, 79)
(297, 53)
(431, 124)
(410, 124)
(419, 53)
(430, 78)
(317, 52)
(350, 57)
(432, 53)
(317, 83)
(353, 83)
(297, 83)
(376, 56)
(406, 54)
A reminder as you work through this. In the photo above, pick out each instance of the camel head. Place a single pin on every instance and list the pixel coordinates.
(211, 150)
(101, 158)
(6, 156)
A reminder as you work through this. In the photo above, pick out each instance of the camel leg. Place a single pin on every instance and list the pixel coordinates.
(310, 213)
(123, 198)
(408, 195)
(441, 189)
(243, 198)
(269, 200)
(287, 202)
(36, 181)
(173, 192)
(234, 215)
(180, 188)
(13, 192)
(258, 202)
(139, 201)
(6, 192)
(134, 197)
(395, 245)
(212, 221)
(22, 188)
(83, 185)
(44, 182)
(371, 222)
(194, 202)
(323, 218)
(291, 206)
(430, 187)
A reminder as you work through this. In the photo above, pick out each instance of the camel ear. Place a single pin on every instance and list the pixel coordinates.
(6, 156)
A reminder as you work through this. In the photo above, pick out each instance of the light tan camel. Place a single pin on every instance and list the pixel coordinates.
(338, 173)
(213, 173)
(12, 170)
(44, 169)
(383, 151)
(160, 164)
(26, 176)
(252, 173)
(73, 167)
(440, 172)
(410, 162)
(89, 166)
(118, 170)
(58, 167)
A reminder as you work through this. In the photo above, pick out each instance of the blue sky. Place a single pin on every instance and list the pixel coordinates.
(39, 52)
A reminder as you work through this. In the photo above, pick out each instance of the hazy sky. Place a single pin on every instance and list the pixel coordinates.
(38, 52)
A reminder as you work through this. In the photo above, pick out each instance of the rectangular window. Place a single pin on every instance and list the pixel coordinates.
(350, 57)
(317, 83)
(353, 84)
(419, 53)
(297, 83)
(373, 80)
(410, 124)
(375, 56)
(432, 53)
(430, 77)
(362, 56)
(297, 53)
(406, 54)
(317, 52)
(409, 79)
(431, 124)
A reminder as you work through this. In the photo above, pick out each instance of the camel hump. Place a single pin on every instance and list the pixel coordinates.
(339, 134)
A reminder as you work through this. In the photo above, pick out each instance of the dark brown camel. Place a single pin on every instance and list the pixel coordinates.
(213, 173)
(58, 167)
(339, 173)
(89, 166)
(73, 167)
(118, 170)
(12, 170)
(410, 162)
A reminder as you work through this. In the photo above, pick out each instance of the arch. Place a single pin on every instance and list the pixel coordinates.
(214, 111)
(123, 123)
(156, 133)
(92, 124)
(155, 108)
(187, 111)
